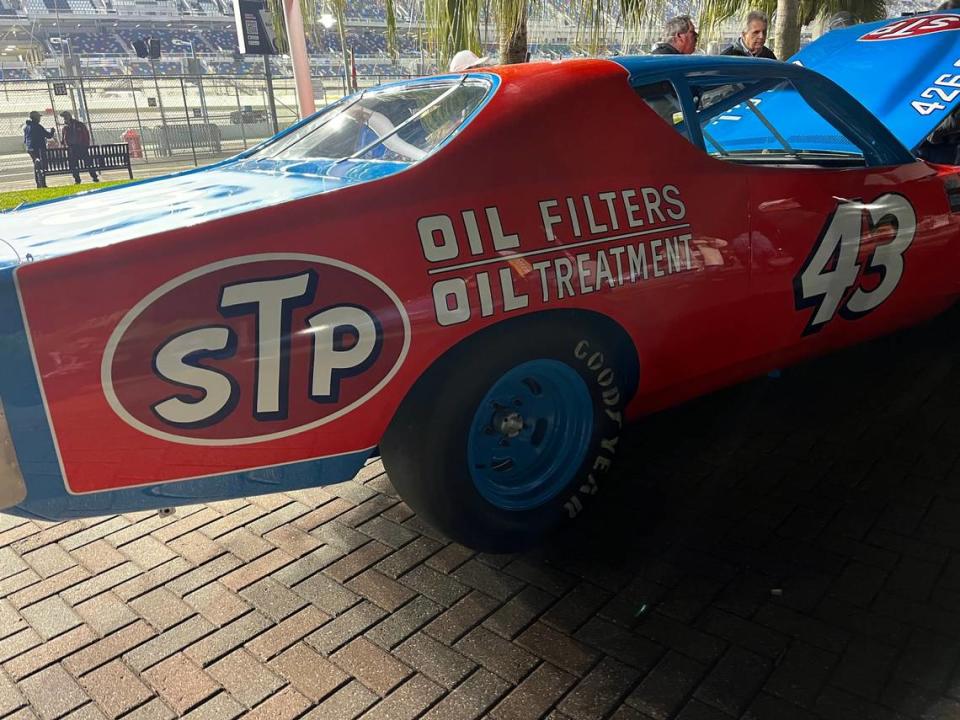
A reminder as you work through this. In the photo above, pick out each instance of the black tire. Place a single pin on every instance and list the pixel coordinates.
(425, 447)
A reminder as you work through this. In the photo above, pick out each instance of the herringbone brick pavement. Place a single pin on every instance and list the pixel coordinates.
(786, 550)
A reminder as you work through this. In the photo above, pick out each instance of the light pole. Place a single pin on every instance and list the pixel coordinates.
(195, 71)
(193, 54)
(327, 21)
(61, 41)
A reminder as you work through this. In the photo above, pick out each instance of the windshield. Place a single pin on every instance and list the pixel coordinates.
(400, 123)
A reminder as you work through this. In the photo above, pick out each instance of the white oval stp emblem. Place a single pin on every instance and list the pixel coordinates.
(913, 26)
(254, 348)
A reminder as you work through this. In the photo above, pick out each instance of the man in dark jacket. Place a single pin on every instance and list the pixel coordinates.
(679, 37)
(76, 138)
(35, 138)
(751, 42)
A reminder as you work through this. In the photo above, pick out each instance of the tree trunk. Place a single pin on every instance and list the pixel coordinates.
(513, 42)
(787, 34)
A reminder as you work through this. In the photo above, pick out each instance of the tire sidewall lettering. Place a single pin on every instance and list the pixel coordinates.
(605, 389)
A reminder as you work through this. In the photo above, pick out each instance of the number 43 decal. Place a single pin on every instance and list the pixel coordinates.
(832, 270)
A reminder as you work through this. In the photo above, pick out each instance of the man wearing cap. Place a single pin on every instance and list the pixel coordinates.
(35, 138)
(465, 60)
(679, 37)
(76, 138)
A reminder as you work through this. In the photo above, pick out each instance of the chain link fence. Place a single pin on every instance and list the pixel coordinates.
(168, 122)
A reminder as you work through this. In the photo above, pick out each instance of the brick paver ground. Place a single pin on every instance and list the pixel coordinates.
(785, 550)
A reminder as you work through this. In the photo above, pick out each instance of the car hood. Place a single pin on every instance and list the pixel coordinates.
(886, 65)
(96, 219)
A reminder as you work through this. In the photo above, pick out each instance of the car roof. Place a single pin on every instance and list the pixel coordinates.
(829, 99)
(888, 70)
(642, 64)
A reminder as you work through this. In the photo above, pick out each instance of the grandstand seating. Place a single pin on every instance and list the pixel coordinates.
(365, 10)
(222, 39)
(92, 43)
(166, 36)
(14, 74)
(141, 68)
(81, 7)
(208, 26)
(115, 70)
(35, 7)
(235, 68)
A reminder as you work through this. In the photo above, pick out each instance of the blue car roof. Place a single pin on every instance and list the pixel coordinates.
(642, 64)
(890, 67)
(785, 109)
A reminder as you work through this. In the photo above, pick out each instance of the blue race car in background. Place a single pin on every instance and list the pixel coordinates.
(906, 71)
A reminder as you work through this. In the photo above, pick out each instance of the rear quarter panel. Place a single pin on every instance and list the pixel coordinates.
(567, 133)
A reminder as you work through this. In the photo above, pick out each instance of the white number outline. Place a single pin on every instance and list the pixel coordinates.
(850, 300)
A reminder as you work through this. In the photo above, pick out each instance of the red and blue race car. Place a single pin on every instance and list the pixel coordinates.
(906, 71)
(480, 277)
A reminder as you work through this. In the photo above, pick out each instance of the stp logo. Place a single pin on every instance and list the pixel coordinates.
(254, 348)
(914, 26)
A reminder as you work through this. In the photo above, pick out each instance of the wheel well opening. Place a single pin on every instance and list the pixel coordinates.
(603, 324)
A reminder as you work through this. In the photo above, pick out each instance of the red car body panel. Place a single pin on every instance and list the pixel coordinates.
(551, 205)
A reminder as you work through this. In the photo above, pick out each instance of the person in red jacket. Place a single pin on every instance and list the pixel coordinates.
(76, 138)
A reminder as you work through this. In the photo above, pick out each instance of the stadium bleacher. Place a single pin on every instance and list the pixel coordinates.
(102, 31)
(91, 43)
(235, 68)
(114, 70)
(222, 39)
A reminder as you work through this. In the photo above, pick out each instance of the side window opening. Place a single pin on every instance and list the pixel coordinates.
(662, 98)
(768, 122)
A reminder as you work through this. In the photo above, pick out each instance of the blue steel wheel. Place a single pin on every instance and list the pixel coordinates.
(530, 434)
(496, 475)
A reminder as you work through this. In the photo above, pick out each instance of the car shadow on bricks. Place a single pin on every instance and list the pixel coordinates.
(795, 536)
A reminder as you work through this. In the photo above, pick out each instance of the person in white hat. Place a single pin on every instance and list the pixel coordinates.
(466, 59)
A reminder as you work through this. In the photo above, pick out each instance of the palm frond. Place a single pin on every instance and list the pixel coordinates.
(308, 10)
(452, 25)
(595, 16)
(510, 14)
(392, 45)
(863, 10)
(714, 13)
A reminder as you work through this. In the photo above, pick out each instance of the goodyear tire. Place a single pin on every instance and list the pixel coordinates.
(511, 433)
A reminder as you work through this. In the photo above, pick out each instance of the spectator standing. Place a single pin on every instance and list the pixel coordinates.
(752, 41)
(76, 138)
(35, 138)
(949, 5)
(679, 37)
(465, 60)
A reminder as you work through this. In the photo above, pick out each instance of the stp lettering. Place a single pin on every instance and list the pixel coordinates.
(253, 348)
